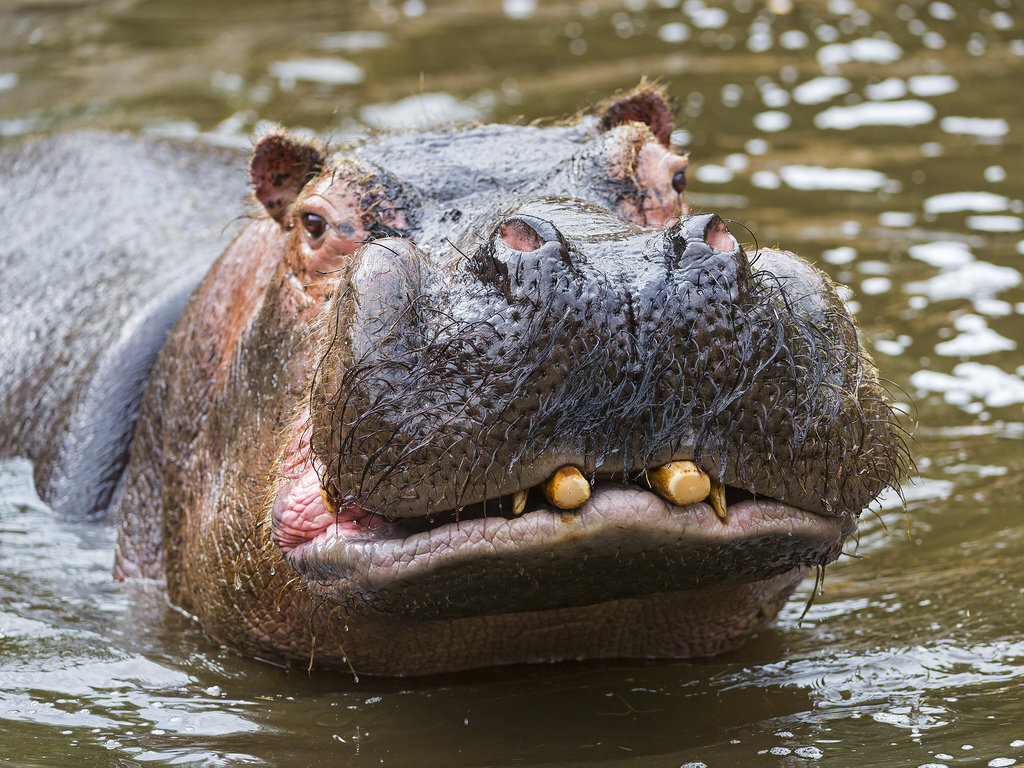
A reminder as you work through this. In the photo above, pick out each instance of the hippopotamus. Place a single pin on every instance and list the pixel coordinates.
(452, 398)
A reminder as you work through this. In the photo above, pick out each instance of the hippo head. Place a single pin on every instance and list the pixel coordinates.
(547, 412)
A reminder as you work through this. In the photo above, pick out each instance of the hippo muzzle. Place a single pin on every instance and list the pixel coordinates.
(447, 392)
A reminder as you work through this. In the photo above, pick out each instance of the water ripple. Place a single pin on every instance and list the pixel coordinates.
(323, 71)
(979, 202)
(814, 177)
(972, 381)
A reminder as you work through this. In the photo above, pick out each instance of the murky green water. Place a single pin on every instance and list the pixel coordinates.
(884, 140)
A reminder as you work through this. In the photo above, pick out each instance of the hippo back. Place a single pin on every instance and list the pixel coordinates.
(105, 238)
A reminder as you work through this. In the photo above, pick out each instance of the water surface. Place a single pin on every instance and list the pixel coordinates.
(885, 141)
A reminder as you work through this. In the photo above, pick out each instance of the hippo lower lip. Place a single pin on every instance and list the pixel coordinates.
(623, 542)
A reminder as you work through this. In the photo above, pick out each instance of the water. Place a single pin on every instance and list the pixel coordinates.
(883, 140)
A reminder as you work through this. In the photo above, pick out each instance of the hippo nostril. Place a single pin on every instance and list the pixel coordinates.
(718, 236)
(526, 233)
(522, 254)
(520, 236)
(692, 229)
(705, 229)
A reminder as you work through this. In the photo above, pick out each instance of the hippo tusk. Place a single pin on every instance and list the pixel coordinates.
(717, 499)
(680, 482)
(329, 498)
(519, 502)
(567, 488)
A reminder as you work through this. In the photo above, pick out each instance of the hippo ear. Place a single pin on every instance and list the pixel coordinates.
(281, 166)
(647, 103)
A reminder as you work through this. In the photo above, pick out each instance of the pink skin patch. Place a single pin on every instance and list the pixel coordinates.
(336, 198)
(720, 238)
(299, 514)
(638, 159)
(519, 235)
(655, 169)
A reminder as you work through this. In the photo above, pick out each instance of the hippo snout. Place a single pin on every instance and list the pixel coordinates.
(569, 337)
(548, 391)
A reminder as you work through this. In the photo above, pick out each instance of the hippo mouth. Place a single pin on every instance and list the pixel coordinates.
(502, 555)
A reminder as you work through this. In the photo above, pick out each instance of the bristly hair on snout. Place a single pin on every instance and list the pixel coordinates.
(742, 376)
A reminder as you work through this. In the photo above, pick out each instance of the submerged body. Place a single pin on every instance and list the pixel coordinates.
(345, 451)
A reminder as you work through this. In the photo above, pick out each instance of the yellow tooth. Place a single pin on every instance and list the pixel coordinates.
(328, 497)
(567, 488)
(681, 482)
(518, 502)
(717, 499)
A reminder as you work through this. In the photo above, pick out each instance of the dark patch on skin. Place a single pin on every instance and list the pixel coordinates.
(379, 229)
(381, 200)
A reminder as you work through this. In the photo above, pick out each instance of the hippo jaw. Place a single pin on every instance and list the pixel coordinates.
(624, 542)
(382, 530)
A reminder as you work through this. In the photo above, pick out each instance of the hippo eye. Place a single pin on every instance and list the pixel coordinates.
(679, 181)
(313, 224)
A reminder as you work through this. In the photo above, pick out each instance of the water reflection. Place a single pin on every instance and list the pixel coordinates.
(905, 113)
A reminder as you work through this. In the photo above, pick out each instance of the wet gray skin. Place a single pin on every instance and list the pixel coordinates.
(108, 237)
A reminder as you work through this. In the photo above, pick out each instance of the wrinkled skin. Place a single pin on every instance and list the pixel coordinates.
(420, 327)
